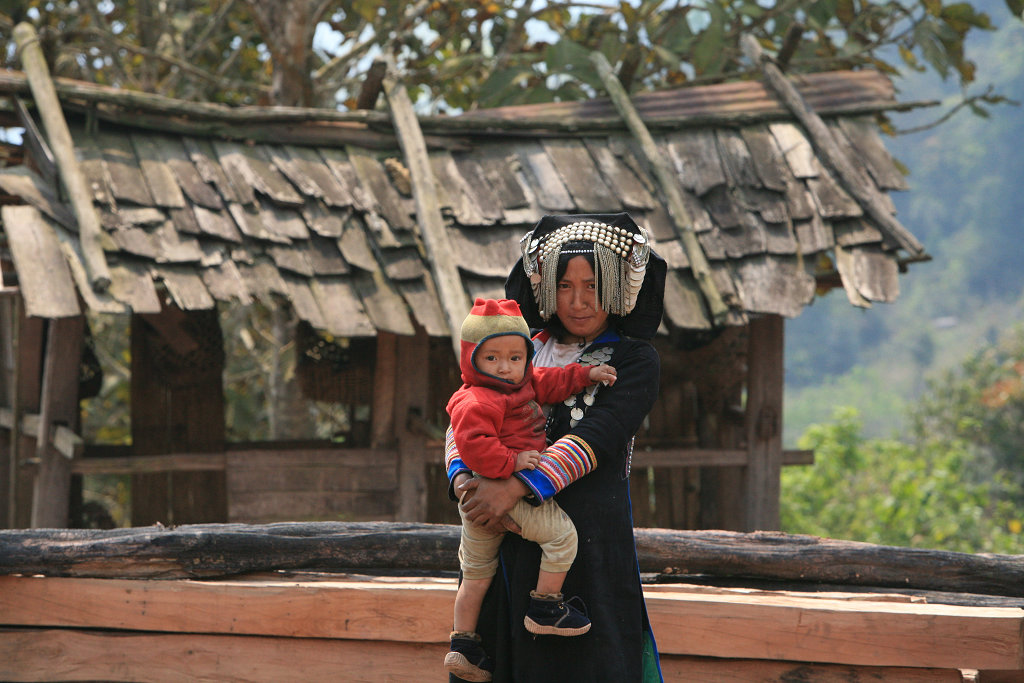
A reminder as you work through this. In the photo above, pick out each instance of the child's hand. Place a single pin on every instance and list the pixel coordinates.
(603, 373)
(527, 460)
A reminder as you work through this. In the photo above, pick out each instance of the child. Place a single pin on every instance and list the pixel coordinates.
(498, 426)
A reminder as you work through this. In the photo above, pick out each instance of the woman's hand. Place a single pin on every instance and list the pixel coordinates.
(487, 502)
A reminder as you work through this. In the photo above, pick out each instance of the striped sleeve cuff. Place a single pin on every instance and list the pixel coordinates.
(561, 463)
(452, 462)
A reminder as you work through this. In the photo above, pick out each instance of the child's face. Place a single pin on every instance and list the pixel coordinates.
(503, 357)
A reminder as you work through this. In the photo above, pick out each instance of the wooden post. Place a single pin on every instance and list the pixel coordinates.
(669, 184)
(411, 393)
(454, 301)
(58, 404)
(63, 149)
(867, 196)
(401, 391)
(22, 364)
(763, 423)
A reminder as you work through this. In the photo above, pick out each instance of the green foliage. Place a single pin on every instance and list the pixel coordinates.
(892, 493)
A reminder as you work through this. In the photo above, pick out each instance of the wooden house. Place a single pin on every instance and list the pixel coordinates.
(377, 228)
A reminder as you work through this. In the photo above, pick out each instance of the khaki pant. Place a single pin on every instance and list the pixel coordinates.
(547, 525)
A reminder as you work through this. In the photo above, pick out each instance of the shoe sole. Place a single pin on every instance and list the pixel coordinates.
(541, 630)
(456, 663)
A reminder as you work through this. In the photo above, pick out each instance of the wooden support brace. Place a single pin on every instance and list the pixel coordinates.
(62, 146)
(867, 197)
(669, 185)
(454, 301)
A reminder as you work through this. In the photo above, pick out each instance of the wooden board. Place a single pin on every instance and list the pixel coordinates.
(43, 274)
(725, 624)
(57, 655)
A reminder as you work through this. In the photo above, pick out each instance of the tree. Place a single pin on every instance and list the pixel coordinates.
(474, 53)
(892, 493)
(980, 404)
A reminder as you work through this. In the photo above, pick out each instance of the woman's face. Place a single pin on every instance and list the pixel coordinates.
(577, 301)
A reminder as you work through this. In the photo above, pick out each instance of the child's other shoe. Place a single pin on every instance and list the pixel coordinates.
(467, 658)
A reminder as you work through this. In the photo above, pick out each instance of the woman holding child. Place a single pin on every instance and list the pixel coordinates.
(594, 288)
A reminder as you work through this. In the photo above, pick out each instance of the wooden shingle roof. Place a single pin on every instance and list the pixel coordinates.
(320, 213)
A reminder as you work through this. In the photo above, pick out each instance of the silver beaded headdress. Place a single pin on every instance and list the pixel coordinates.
(620, 262)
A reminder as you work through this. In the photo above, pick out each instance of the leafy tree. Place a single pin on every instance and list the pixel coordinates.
(892, 493)
(471, 53)
(980, 404)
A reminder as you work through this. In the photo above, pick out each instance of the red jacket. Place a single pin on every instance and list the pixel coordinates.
(493, 420)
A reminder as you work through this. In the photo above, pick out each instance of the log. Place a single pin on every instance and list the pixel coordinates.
(209, 550)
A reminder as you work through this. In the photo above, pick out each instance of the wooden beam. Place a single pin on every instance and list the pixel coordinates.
(726, 624)
(27, 655)
(411, 398)
(63, 439)
(210, 550)
(669, 183)
(763, 423)
(58, 402)
(709, 457)
(867, 196)
(63, 149)
(454, 302)
(149, 464)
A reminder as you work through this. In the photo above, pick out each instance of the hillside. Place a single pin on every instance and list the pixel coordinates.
(964, 203)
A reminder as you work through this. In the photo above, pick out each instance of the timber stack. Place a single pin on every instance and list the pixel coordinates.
(372, 602)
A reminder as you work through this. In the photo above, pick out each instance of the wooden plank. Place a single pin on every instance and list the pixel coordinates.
(286, 222)
(162, 184)
(384, 306)
(840, 632)
(871, 271)
(862, 134)
(763, 421)
(217, 224)
(340, 305)
(355, 247)
(43, 275)
(132, 284)
(710, 670)
(127, 183)
(29, 655)
(774, 285)
(830, 197)
(225, 283)
(250, 166)
(766, 156)
(395, 209)
(310, 172)
(24, 183)
(293, 258)
(173, 152)
(684, 305)
(58, 403)
(411, 391)
(737, 159)
(204, 157)
(620, 170)
(483, 194)
(260, 507)
(581, 177)
(763, 626)
(250, 222)
(344, 172)
(263, 280)
(150, 464)
(422, 299)
(302, 300)
(325, 256)
(489, 251)
(324, 221)
(185, 287)
(696, 159)
(796, 149)
(543, 178)
(454, 193)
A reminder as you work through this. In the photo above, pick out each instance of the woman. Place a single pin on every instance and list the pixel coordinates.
(595, 288)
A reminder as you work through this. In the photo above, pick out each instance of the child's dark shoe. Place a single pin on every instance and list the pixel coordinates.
(467, 658)
(551, 615)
